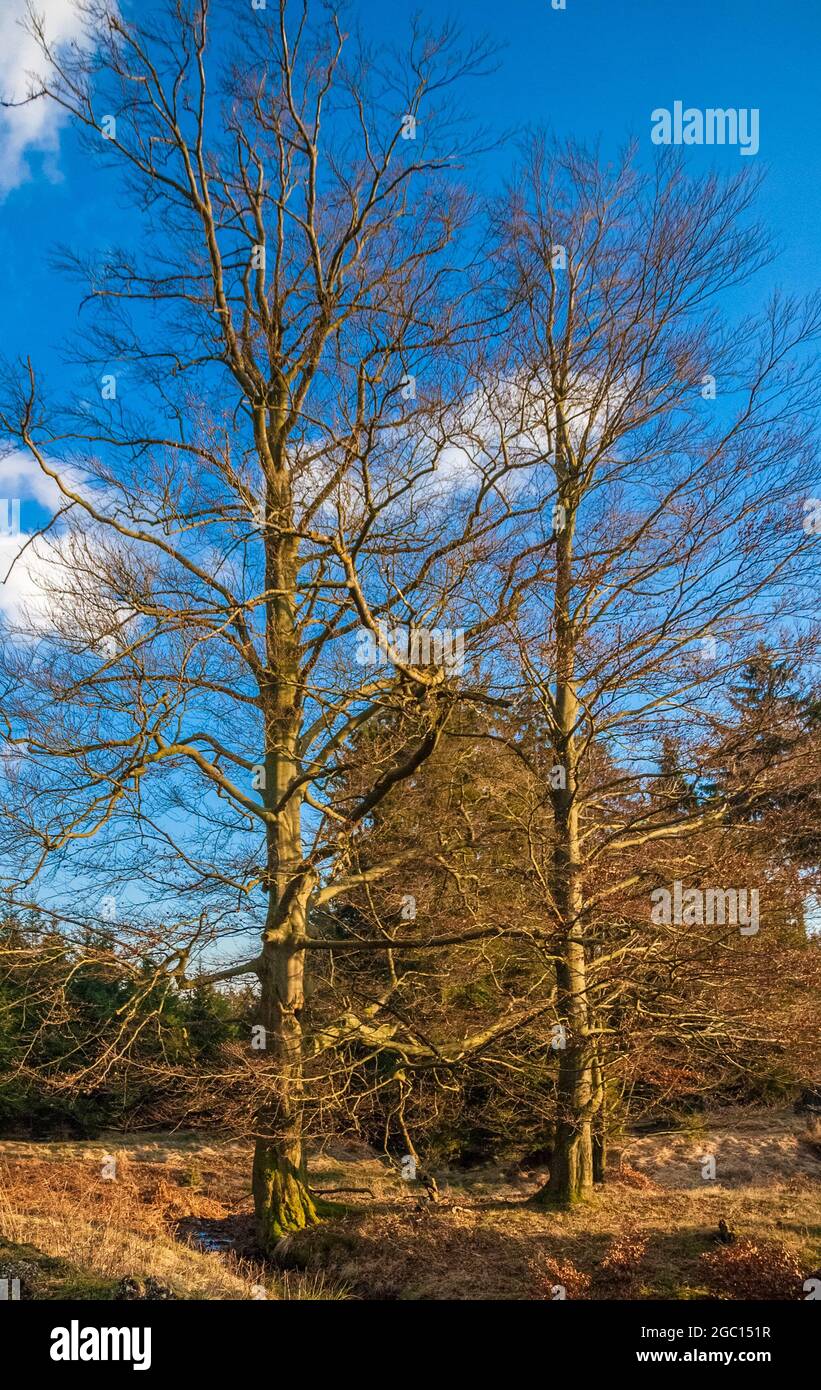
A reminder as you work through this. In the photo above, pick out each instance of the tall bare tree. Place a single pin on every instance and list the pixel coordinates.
(680, 446)
(265, 539)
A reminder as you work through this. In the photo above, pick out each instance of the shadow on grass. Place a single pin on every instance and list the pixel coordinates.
(387, 1252)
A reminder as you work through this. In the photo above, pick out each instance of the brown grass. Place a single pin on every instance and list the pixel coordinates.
(644, 1235)
(120, 1228)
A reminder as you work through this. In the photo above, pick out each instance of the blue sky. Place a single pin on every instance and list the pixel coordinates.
(595, 70)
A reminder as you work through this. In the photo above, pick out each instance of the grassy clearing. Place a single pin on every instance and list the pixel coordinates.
(641, 1236)
(135, 1227)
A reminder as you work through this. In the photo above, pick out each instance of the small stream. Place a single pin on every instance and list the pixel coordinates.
(210, 1236)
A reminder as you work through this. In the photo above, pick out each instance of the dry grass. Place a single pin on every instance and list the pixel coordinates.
(644, 1235)
(117, 1229)
(484, 1247)
(748, 1147)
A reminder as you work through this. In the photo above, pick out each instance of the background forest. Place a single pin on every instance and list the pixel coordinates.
(93, 1039)
(409, 687)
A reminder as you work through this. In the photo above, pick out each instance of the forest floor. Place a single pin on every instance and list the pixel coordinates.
(175, 1220)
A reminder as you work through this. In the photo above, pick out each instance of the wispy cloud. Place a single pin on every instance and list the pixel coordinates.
(21, 476)
(27, 569)
(34, 127)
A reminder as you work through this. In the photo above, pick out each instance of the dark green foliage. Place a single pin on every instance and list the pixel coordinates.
(60, 1004)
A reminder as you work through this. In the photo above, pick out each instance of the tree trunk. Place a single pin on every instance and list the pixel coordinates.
(571, 1170)
(599, 1153)
(599, 1125)
(282, 1200)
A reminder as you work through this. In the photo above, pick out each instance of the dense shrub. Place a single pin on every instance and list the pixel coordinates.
(550, 1275)
(757, 1269)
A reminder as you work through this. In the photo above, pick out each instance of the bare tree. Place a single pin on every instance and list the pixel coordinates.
(344, 482)
(680, 448)
(259, 503)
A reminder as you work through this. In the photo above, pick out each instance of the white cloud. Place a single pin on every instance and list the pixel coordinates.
(21, 476)
(55, 584)
(36, 126)
(24, 595)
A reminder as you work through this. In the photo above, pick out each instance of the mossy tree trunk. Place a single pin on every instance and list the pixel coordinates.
(571, 1169)
(282, 1200)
